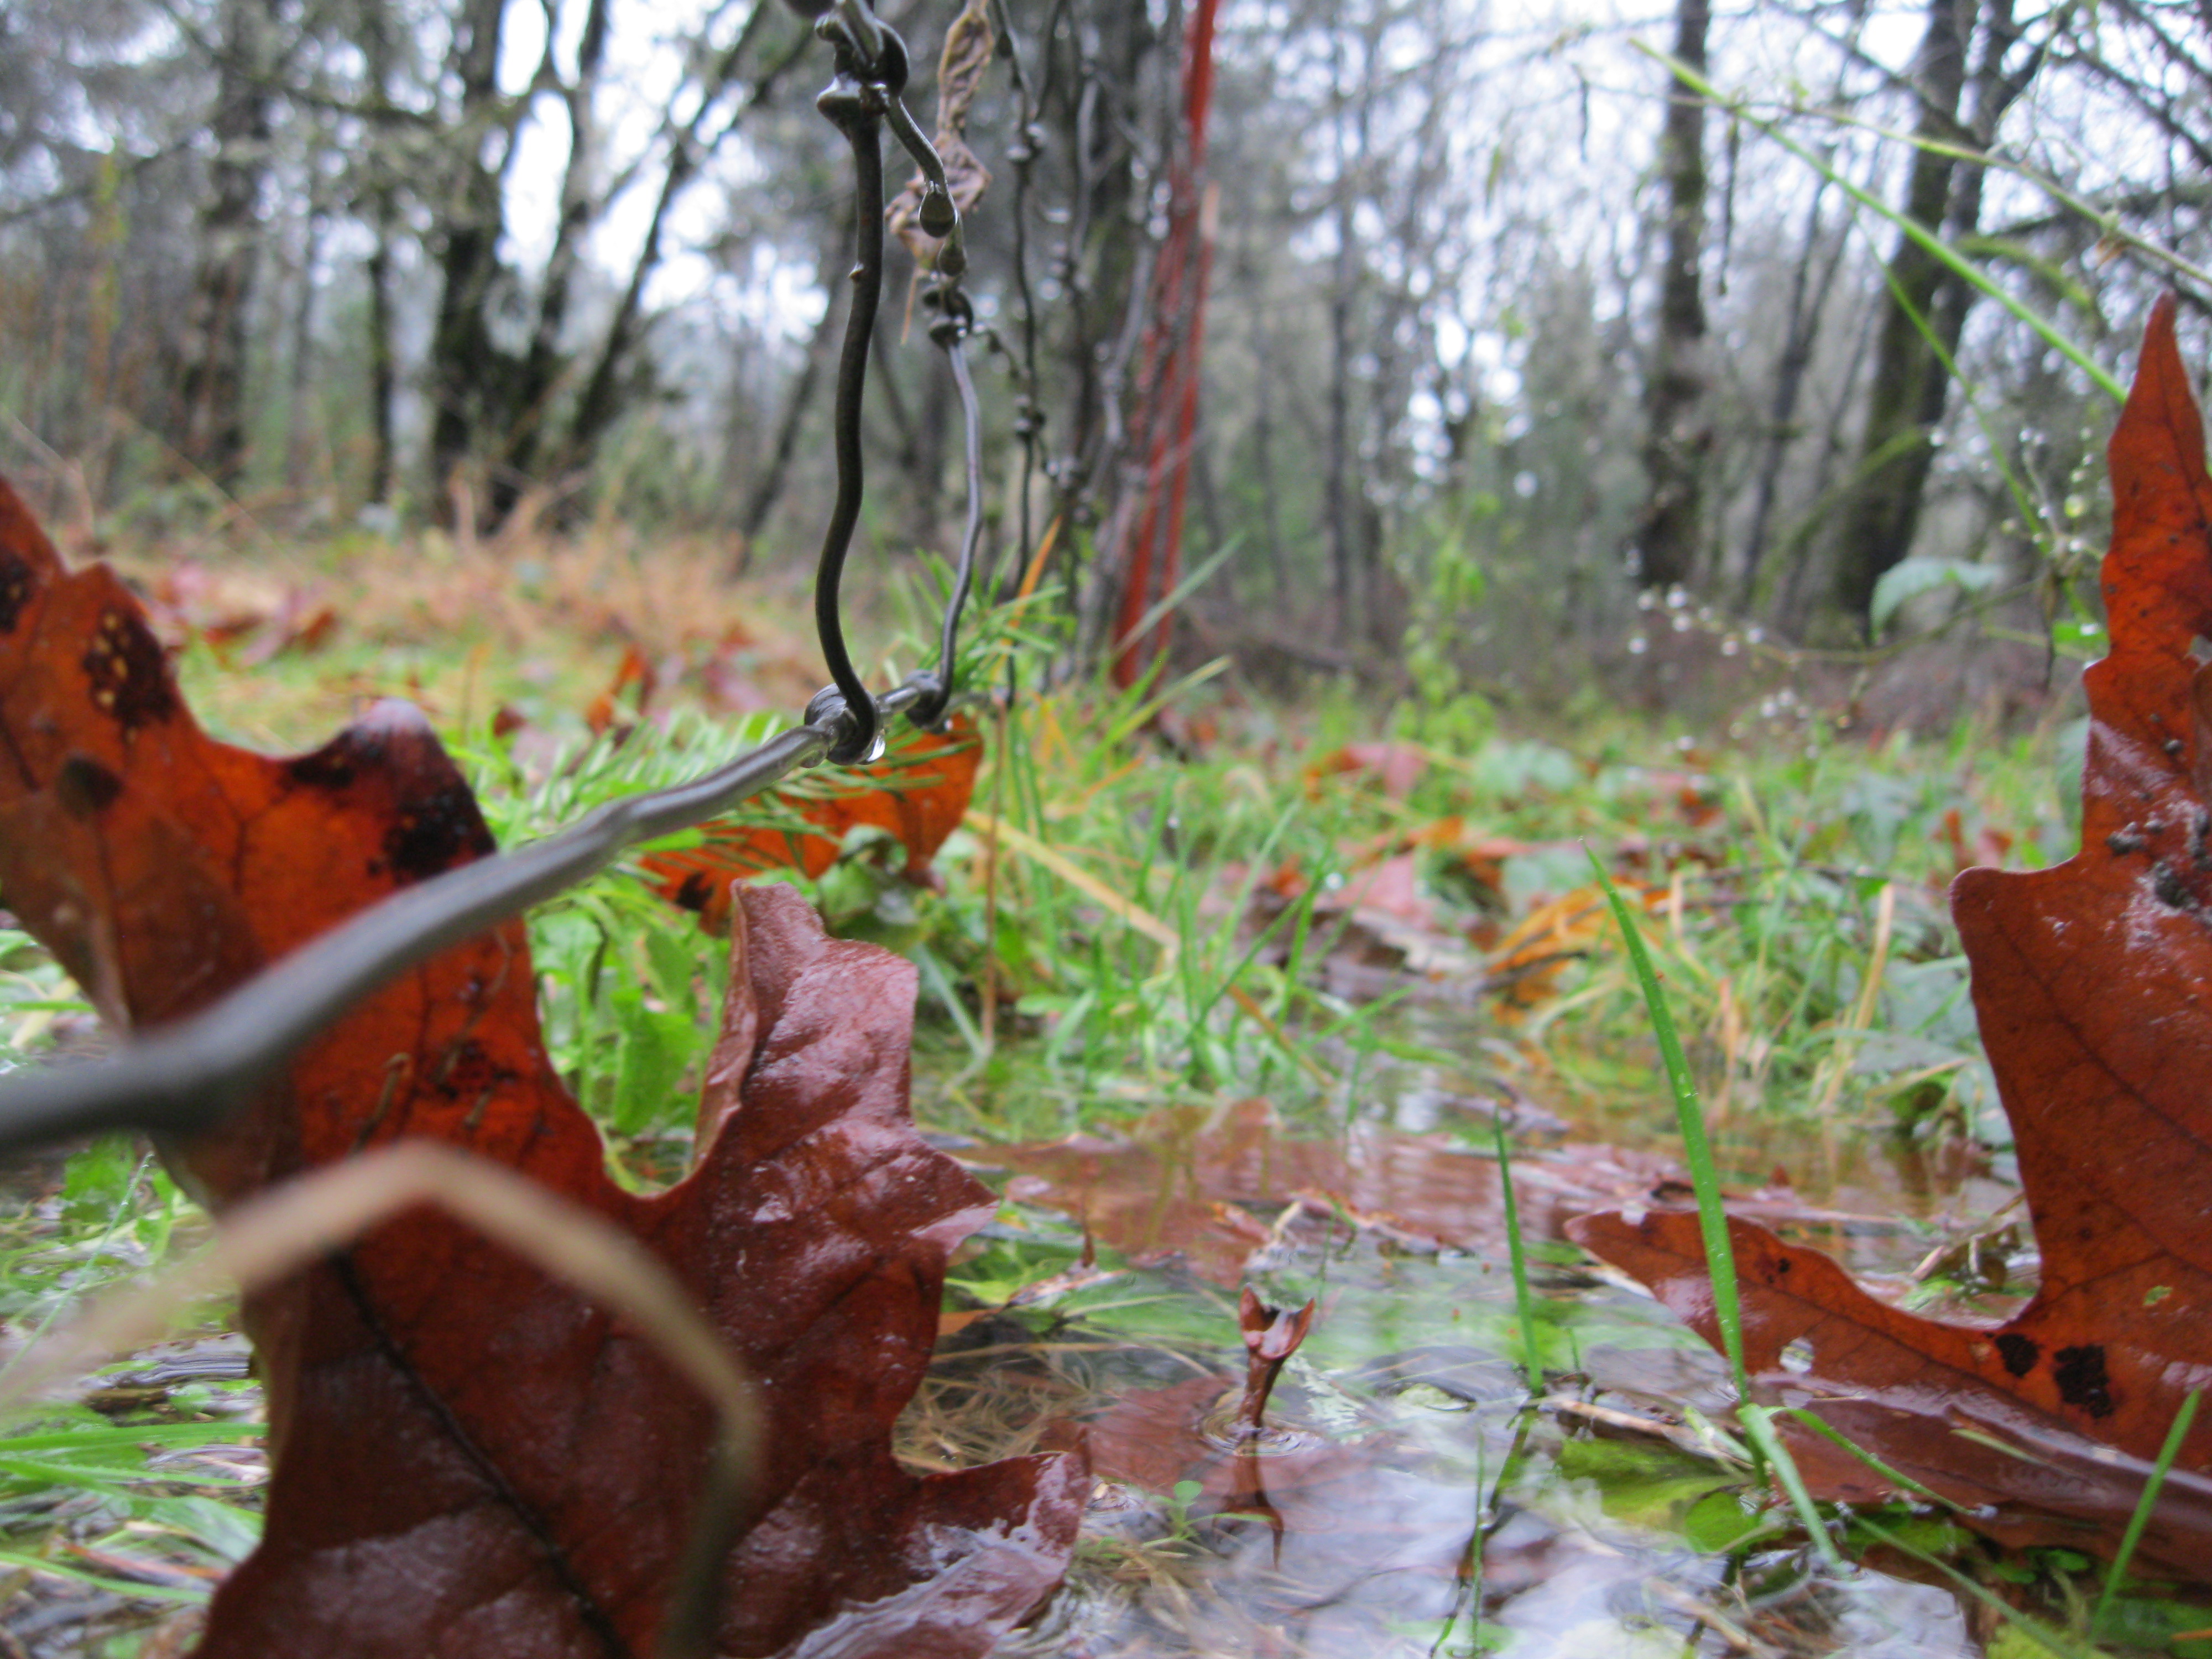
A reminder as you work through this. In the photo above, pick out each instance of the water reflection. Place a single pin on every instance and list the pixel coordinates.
(1408, 1498)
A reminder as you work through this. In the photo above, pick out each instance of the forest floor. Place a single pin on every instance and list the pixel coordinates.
(1240, 996)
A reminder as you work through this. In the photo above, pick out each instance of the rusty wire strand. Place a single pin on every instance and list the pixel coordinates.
(187, 1076)
(1030, 135)
(951, 333)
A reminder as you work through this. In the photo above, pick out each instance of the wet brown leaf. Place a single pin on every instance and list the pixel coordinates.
(923, 792)
(1217, 1190)
(1395, 767)
(2090, 983)
(1272, 1335)
(966, 59)
(468, 1459)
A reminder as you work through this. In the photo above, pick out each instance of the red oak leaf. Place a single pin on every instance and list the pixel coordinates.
(2093, 983)
(927, 785)
(469, 1458)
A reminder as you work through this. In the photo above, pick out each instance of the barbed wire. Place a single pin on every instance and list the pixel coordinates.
(187, 1076)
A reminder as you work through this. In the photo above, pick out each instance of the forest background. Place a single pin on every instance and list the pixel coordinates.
(1504, 329)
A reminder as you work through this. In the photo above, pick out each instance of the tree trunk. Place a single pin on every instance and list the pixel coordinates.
(1343, 557)
(1806, 303)
(538, 377)
(467, 370)
(299, 414)
(1910, 383)
(1103, 265)
(380, 199)
(1677, 437)
(607, 389)
(211, 373)
(383, 356)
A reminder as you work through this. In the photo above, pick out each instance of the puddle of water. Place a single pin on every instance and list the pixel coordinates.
(1407, 1500)
(1413, 1501)
(1410, 1135)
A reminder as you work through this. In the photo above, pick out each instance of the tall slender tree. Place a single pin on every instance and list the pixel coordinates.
(211, 369)
(467, 371)
(1925, 303)
(1677, 435)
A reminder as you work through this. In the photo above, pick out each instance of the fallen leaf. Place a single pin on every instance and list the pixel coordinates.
(2089, 982)
(1271, 1335)
(468, 1458)
(968, 45)
(924, 792)
(1524, 967)
(1397, 767)
(634, 676)
(1182, 1184)
(1389, 890)
(1988, 846)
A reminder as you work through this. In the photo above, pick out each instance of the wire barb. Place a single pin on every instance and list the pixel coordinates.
(955, 318)
(872, 71)
(855, 102)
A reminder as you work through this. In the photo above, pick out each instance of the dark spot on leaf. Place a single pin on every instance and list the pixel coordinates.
(2166, 881)
(2079, 1374)
(470, 1072)
(86, 787)
(2021, 1353)
(331, 767)
(694, 892)
(128, 674)
(15, 585)
(436, 832)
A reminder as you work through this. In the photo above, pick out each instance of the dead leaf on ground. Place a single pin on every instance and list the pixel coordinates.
(468, 1459)
(918, 797)
(247, 618)
(634, 682)
(1482, 856)
(2090, 983)
(1395, 766)
(1524, 967)
(1389, 890)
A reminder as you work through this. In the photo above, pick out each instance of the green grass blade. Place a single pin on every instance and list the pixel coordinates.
(2144, 1505)
(1697, 1152)
(1524, 1300)
(2043, 1636)
(129, 1588)
(1759, 1425)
